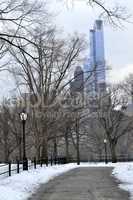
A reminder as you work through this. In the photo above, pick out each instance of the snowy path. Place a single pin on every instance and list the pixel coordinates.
(82, 184)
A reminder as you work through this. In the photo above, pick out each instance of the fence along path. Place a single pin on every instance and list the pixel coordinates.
(9, 168)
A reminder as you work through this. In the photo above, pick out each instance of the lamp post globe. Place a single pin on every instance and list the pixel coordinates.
(105, 141)
(23, 117)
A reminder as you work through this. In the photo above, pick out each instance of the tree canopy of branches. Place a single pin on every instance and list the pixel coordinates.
(15, 19)
(114, 13)
(112, 118)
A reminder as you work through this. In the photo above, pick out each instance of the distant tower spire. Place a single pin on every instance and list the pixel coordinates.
(97, 57)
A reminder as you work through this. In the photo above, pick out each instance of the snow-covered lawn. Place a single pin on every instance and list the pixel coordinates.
(20, 186)
(124, 172)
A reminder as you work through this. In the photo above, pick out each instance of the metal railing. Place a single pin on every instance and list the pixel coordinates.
(11, 168)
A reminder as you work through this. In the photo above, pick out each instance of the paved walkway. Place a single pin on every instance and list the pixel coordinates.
(82, 184)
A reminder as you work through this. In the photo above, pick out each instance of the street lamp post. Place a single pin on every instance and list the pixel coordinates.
(23, 117)
(105, 148)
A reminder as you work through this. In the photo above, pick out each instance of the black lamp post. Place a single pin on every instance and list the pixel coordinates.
(23, 117)
(105, 148)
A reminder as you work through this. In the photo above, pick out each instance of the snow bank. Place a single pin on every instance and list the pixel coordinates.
(21, 186)
(124, 172)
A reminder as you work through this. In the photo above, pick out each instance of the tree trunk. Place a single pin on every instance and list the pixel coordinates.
(6, 147)
(100, 155)
(6, 154)
(55, 150)
(77, 141)
(38, 153)
(44, 153)
(113, 152)
(67, 145)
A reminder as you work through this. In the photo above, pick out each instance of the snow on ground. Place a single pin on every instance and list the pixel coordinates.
(20, 186)
(124, 172)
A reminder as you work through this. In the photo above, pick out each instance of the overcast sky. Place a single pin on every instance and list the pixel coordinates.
(78, 16)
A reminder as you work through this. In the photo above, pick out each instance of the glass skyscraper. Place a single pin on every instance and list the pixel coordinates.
(96, 63)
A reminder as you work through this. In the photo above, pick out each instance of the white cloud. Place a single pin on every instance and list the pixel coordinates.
(118, 74)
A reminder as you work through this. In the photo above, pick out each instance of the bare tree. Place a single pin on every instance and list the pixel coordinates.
(113, 13)
(10, 137)
(112, 118)
(127, 86)
(15, 19)
(45, 77)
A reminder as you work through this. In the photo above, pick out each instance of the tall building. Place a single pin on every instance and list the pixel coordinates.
(77, 85)
(96, 64)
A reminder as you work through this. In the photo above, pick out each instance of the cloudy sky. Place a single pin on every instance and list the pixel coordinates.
(76, 15)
